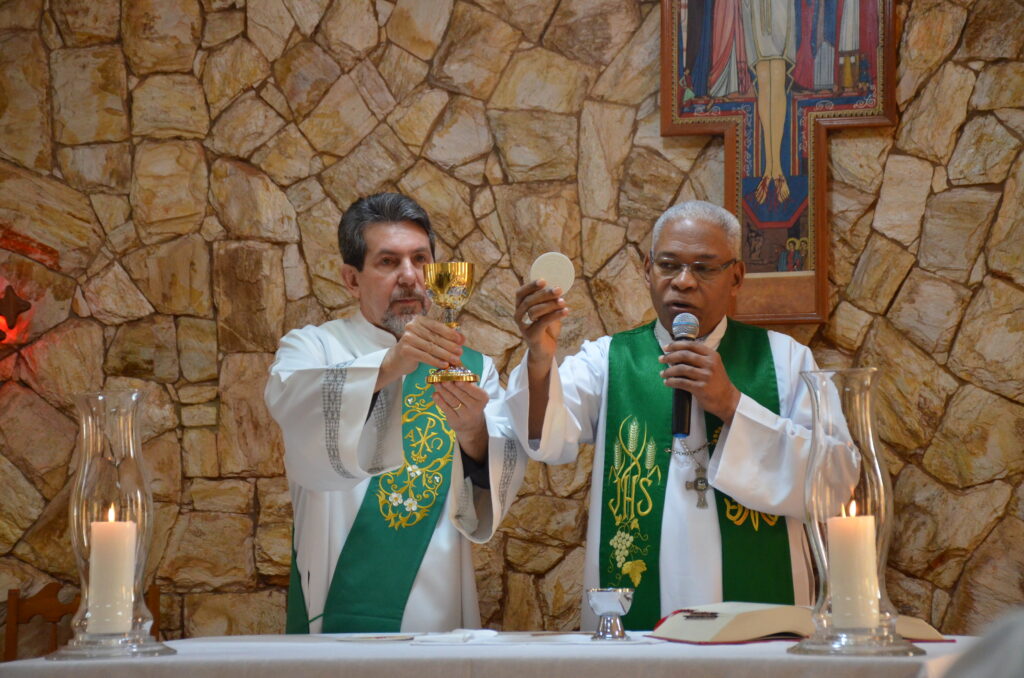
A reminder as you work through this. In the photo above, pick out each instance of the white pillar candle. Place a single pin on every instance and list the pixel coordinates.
(853, 570)
(111, 575)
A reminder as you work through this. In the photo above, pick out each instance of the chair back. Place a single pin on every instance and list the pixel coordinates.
(47, 604)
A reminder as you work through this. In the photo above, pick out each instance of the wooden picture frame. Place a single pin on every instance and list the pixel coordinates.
(826, 64)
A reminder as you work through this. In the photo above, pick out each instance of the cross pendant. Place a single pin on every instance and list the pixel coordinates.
(700, 486)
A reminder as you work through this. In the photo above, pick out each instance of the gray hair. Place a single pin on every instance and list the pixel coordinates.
(705, 212)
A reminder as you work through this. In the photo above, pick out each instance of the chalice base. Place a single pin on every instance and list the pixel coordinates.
(454, 373)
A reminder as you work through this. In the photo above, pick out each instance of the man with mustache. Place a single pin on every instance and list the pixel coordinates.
(684, 520)
(389, 477)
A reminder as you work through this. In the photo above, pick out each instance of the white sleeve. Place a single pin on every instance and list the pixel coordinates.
(332, 438)
(477, 512)
(575, 394)
(761, 458)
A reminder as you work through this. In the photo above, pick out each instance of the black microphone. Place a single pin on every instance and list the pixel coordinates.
(684, 326)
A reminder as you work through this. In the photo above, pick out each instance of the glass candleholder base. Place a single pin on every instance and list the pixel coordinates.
(858, 643)
(111, 645)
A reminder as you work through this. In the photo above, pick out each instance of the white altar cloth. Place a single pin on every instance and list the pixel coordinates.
(485, 655)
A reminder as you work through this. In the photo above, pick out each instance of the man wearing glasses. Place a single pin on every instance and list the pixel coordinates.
(712, 515)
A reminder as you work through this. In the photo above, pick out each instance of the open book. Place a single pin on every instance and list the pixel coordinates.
(748, 622)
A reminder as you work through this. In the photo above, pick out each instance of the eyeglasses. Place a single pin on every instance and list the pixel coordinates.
(668, 268)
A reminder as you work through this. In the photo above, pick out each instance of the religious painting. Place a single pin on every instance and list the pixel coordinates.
(773, 76)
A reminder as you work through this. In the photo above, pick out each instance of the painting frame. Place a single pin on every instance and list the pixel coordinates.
(784, 295)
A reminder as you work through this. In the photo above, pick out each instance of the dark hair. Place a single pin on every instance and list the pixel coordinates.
(379, 208)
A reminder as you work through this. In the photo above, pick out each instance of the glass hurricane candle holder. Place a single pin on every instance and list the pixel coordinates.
(110, 520)
(848, 520)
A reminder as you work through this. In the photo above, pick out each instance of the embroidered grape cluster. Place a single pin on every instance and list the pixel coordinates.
(621, 543)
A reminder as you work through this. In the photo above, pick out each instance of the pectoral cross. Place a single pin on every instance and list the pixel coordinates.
(700, 485)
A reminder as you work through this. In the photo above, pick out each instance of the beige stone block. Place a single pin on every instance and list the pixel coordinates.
(987, 588)
(600, 241)
(340, 121)
(605, 131)
(194, 393)
(548, 520)
(446, 200)
(319, 227)
(15, 574)
(98, 167)
(174, 276)
(705, 180)
(212, 230)
(931, 34)
(567, 480)
(1000, 85)
(879, 273)
(20, 15)
(911, 391)
(648, 184)
(478, 249)
(955, 223)
(349, 31)
(66, 360)
(172, 105)
(230, 69)
(633, 74)
(113, 298)
(227, 496)
(208, 551)
(223, 614)
(379, 160)
(538, 218)
(307, 13)
(489, 568)
(169, 187)
(493, 301)
(51, 294)
(204, 414)
(373, 89)
(413, 119)
(274, 550)
(539, 79)
(522, 607)
(112, 210)
(902, 200)
(474, 52)
(460, 135)
(681, 151)
(848, 326)
(275, 502)
(534, 145)
(561, 589)
(617, 287)
(161, 35)
(850, 217)
(857, 156)
(25, 134)
(249, 204)
(305, 73)
(929, 125)
(473, 172)
(243, 126)
(270, 93)
(46, 545)
(418, 28)
(145, 349)
(593, 32)
(199, 453)
(1003, 249)
(296, 276)
(248, 289)
(268, 24)
(247, 446)
(935, 529)
(488, 339)
(980, 440)
(158, 414)
(987, 349)
(928, 310)
(220, 27)
(529, 16)
(402, 71)
(910, 596)
(531, 557)
(36, 438)
(984, 153)
(940, 180)
(123, 239)
(89, 86)
(986, 36)
(162, 459)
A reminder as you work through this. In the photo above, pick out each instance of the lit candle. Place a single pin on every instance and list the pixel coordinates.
(853, 570)
(111, 575)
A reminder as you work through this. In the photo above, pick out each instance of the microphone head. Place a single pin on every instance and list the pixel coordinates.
(685, 326)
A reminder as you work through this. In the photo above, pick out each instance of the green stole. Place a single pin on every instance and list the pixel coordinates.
(394, 524)
(638, 441)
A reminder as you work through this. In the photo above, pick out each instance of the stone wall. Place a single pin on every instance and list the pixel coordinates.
(171, 177)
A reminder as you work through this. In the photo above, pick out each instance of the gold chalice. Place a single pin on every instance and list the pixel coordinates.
(449, 285)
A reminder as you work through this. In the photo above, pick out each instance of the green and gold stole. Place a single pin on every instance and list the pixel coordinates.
(394, 524)
(755, 546)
